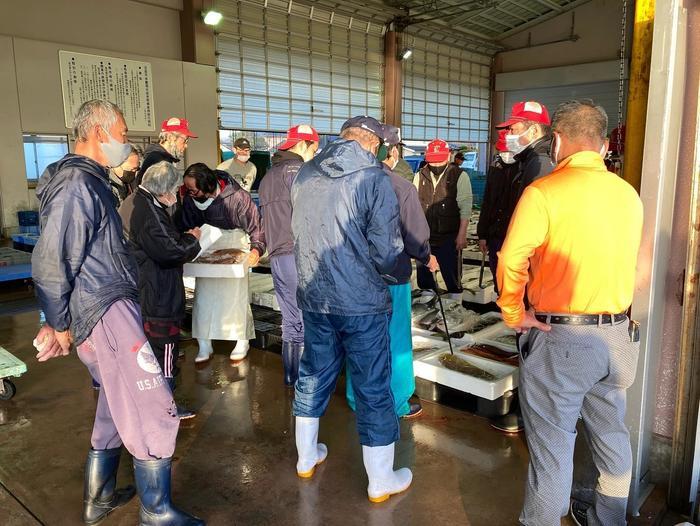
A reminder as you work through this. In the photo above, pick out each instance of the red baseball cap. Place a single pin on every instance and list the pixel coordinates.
(527, 111)
(177, 125)
(296, 134)
(437, 151)
(501, 142)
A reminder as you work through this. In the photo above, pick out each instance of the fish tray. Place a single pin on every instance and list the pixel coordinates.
(428, 367)
(216, 270)
(490, 334)
(434, 343)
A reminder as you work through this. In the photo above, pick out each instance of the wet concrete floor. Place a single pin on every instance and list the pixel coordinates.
(235, 462)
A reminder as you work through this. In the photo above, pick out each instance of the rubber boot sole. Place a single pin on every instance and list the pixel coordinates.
(384, 498)
(310, 473)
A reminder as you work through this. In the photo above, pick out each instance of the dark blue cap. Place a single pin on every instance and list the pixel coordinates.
(365, 122)
(392, 135)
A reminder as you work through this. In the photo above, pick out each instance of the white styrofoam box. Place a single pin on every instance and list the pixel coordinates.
(189, 282)
(489, 334)
(429, 368)
(215, 270)
(419, 340)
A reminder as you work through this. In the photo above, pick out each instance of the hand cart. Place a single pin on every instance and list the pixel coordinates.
(10, 365)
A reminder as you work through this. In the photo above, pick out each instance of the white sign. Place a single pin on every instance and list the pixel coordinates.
(126, 83)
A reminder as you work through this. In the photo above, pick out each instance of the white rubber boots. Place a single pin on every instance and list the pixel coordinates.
(383, 480)
(379, 462)
(205, 351)
(310, 452)
(240, 351)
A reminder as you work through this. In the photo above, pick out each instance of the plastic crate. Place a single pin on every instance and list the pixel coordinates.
(28, 218)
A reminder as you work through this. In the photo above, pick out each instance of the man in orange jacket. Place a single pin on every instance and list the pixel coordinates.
(573, 242)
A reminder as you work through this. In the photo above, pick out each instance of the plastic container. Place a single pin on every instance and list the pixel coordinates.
(429, 368)
(215, 270)
(28, 218)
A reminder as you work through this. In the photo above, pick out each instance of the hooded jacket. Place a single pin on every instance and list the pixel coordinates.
(160, 251)
(232, 208)
(275, 193)
(345, 223)
(81, 264)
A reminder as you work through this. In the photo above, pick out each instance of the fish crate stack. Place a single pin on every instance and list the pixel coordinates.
(262, 291)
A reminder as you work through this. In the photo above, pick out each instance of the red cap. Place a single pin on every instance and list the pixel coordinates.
(177, 125)
(296, 134)
(501, 142)
(437, 151)
(527, 111)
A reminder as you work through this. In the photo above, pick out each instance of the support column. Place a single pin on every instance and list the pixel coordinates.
(642, 38)
(392, 79)
(198, 44)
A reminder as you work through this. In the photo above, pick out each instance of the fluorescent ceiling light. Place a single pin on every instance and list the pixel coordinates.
(406, 53)
(212, 18)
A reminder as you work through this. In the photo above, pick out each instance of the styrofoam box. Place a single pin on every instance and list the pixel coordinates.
(488, 335)
(421, 337)
(215, 270)
(429, 368)
(266, 298)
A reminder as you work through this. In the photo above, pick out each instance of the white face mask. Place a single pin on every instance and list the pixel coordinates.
(203, 206)
(115, 151)
(513, 142)
(554, 153)
(242, 157)
(507, 157)
(603, 151)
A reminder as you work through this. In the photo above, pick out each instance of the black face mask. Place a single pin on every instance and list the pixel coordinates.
(437, 170)
(128, 176)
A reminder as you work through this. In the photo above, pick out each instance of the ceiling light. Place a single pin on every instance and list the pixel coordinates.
(212, 18)
(406, 53)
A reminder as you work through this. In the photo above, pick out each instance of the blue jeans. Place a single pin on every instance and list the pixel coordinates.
(284, 276)
(331, 341)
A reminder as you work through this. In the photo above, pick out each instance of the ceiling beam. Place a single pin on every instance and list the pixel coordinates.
(543, 18)
(497, 8)
(551, 4)
(524, 6)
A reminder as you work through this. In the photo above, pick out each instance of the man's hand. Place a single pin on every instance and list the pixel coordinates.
(433, 264)
(530, 322)
(196, 232)
(51, 344)
(482, 246)
(253, 257)
(461, 241)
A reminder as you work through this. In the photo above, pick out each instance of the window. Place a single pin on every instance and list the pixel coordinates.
(42, 150)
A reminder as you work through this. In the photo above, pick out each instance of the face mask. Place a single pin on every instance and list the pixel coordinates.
(203, 205)
(115, 151)
(382, 153)
(513, 142)
(603, 151)
(507, 157)
(128, 176)
(436, 170)
(394, 163)
(242, 157)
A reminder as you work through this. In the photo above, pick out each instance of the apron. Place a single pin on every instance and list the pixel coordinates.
(221, 308)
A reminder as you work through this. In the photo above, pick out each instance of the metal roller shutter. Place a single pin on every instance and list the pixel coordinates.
(282, 64)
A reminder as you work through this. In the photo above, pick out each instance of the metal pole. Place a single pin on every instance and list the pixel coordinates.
(392, 79)
(642, 39)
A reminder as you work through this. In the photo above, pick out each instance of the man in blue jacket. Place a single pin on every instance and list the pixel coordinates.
(347, 237)
(416, 243)
(85, 279)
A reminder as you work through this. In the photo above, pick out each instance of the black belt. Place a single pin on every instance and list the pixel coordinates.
(582, 319)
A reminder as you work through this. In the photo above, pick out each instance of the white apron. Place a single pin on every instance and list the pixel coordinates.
(221, 308)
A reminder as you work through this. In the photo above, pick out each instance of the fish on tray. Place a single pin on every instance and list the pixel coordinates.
(225, 256)
(491, 353)
(455, 363)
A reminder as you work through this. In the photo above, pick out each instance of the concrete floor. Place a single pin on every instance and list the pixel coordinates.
(235, 462)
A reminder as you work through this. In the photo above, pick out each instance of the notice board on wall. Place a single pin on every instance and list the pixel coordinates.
(126, 83)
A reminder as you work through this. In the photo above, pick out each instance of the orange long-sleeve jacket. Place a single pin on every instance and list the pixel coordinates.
(573, 242)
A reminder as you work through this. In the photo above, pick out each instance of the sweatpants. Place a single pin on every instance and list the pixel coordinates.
(572, 371)
(403, 381)
(450, 261)
(164, 337)
(331, 341)
(135, 406)
(284, 277)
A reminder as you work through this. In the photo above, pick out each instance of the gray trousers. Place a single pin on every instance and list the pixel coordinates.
(135, 405)
(572, 371)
